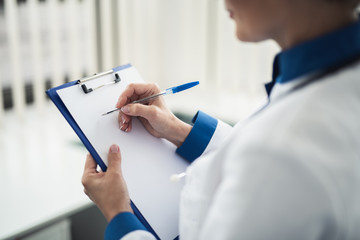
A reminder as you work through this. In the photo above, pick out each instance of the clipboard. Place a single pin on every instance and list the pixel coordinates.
(102, 85)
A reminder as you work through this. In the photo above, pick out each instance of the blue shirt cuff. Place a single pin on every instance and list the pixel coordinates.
(122, 224)
(199, 136)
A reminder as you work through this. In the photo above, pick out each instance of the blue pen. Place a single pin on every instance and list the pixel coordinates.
(168, 91)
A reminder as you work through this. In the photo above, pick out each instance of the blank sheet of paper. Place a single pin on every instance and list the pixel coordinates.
(147, 162)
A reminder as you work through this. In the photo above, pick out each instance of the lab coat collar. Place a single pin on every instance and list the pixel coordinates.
(315, 55)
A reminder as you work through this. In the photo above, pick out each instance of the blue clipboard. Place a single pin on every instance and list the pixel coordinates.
(55, 98)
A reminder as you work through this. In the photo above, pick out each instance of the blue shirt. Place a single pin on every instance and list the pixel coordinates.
(312, 56)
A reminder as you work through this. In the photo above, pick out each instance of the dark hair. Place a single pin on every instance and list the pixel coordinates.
(351, 3)
(354, 3)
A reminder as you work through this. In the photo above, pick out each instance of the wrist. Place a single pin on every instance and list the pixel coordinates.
(181, 131)
(109, 214)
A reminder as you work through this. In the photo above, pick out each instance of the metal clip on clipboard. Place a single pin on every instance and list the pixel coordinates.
(96, 75)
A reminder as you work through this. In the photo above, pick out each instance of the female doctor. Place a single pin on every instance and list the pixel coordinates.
(292, 170)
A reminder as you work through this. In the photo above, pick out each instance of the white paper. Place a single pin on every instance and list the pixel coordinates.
(147, 162)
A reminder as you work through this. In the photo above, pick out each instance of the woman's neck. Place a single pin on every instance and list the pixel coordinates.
(303, 27)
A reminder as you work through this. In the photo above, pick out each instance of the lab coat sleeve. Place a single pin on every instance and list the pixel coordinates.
(126, 226)
(205, 135)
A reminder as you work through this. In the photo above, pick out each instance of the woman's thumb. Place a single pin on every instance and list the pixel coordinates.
(114, 158)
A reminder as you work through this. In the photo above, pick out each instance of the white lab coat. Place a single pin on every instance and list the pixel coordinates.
(291, 171)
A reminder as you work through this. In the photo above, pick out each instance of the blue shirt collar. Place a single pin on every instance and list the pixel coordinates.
(317, 54)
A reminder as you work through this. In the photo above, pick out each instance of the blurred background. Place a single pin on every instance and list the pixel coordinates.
(44, 43)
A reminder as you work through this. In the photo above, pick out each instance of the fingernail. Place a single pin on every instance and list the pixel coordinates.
(123, 119)
(125, 109)
(114, 148)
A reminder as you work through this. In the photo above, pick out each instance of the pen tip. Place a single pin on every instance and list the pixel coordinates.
(116, 109)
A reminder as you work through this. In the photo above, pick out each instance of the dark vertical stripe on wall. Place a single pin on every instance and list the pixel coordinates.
(7, 98)
(29, 93)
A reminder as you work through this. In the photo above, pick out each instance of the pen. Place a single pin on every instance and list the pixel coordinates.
(168, 91)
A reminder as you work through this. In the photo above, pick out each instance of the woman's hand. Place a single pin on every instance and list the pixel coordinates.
(108, 189)
(155, 116)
